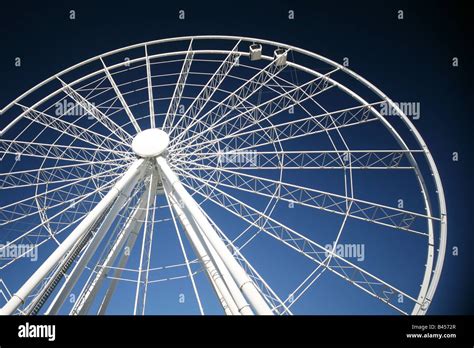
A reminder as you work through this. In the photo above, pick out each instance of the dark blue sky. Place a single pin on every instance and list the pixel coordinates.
(409, 60)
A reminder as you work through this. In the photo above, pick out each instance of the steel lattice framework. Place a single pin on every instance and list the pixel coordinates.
(173, 135)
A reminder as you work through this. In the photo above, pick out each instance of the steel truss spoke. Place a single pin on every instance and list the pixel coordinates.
(194, 110)
(121, 98)
(21, 209)
(257, 113)
(77, 132)
(208, 121)
(25, 235)
(94, 111)
(360, 209)
(48, 175)
(56, 152)
(358, 159)
(151, 100)
(302, 127)
(178, 91)
(343, 268)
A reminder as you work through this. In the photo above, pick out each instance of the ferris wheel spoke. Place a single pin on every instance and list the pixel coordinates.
(151, 99)
(199, 103)
(338, 265)
(231, 102)
(28, 177)
(56, 152)
(76, 132)
(72, 204)
(268, 109)
(256, 113)
(329, 159)
(304, 286)
(24, 210)
(363, 210)
(298, 128)
(94, 111)
(121, 98)
(178, 91)
(21, 208)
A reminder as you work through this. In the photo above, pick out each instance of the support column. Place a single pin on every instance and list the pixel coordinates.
(147, 233)
(80, 231)
(240, 276)
(133, 229)
(227, 301)
(85, 301)
(86, 256)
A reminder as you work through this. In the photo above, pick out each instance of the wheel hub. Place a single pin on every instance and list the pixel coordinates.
(150, 143)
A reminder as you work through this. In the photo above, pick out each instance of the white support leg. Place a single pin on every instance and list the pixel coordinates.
(142, 284)
(227, 301)
(239, 299)
(80, 231)
(132, 229)
(242, 305)
(86, 256)
(240, 276)
(85, 301)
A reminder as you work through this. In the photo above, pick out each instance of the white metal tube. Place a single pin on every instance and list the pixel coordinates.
(133, 229)
(147, 233)
(86, 256)
(242, 304)
(237, 296)
(242, 279)
(82, 307)
(228, 303)
(86, 224)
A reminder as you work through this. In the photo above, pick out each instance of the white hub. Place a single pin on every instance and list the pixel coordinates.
(150, 143)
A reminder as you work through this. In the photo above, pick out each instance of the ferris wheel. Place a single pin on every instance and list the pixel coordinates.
(215, 174)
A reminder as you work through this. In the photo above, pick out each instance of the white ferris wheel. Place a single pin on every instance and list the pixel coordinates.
(215, 174)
